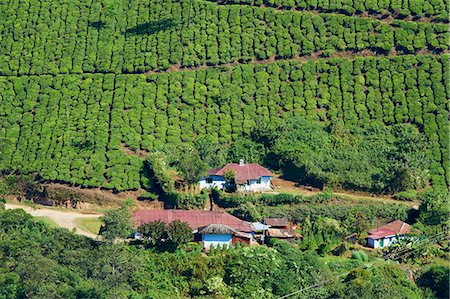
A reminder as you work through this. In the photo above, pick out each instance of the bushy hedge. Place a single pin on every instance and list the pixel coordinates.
(185, 201)
(435, 10)
(139, 36)
(234, 200)
(73, 128)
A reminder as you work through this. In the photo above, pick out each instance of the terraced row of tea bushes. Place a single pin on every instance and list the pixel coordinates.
(225, 200)
(73, 128)
(437, 10)
(49, 37)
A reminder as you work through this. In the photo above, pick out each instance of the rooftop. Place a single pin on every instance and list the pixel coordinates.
(396, 227)
(195, 218)
(217, 229)
(282, 233)
(276, 222)
(243, 172)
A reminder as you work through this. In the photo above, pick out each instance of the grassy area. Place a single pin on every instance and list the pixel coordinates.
(48, 221)
(91, 225)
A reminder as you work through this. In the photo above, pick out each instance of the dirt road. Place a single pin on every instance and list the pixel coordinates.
(62, 218)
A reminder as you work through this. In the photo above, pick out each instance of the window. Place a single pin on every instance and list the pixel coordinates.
(209, 180)
(258, 181)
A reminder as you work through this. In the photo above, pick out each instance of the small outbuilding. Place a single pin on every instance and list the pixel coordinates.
(214, 235)
(279, 228)
(388, 234)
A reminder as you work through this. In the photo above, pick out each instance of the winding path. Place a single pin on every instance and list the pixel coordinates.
(62, 218)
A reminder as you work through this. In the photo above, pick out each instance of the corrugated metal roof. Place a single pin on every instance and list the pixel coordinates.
(259, 226)
(281, 233)
(242, 172)
(396, 227)
(276, 222)
(196, 219)
(217, 229)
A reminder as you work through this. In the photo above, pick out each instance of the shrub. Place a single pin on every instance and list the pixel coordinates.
(408, 195)
(436, 278)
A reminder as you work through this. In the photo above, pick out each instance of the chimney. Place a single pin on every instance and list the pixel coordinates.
(241, 162)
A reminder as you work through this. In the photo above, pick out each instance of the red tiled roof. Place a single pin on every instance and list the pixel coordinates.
(243, 172)
(396, 227)
(195, 219)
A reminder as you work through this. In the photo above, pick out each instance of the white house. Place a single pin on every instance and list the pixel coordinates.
(388, 234)
(248, 177)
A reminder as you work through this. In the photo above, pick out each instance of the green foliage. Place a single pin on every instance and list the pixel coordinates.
(360, 255)
(153, 232)
(369, 282)
(156, 176)
(434, 210)
(133, 113)
(37, 261)
(408, 195)
(234, 200)
(189, 164)
(185, 201)
(436, 278)
(178, 233)
(435, 10)
(229, 176)
(113, 42)
(346, 214)
(116, 224)
(340, 156)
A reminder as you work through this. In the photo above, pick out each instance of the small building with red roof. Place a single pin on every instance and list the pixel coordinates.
(247, 177)
(211, 228)
(388, 234)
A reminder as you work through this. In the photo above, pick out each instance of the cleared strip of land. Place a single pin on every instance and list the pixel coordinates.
(65, 219)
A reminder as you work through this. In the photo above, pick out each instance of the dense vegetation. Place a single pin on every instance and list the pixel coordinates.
(148, 94)
(56, 263)
(435, 10)
(73, 128)
(116, 36)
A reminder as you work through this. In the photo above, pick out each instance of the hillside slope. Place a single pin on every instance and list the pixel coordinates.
(77, 88)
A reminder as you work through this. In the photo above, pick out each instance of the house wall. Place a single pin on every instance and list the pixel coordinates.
(254, 186)
(214, 240)
(387, 241)
(218, 182)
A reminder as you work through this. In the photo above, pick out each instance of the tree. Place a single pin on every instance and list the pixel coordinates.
(229, 176)
(155, 174)
(114, 267)
(178, 233)
(153, 232)
(212, 153)
(189, 164)
(116, 224)
(434, 207)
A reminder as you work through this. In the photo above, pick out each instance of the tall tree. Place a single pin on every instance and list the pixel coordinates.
(116, 224)
(190, 165)
(178, 233)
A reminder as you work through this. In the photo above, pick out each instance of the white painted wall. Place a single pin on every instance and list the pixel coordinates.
(387, 241)
(255, 186)
(218, 182)
(215, 240)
